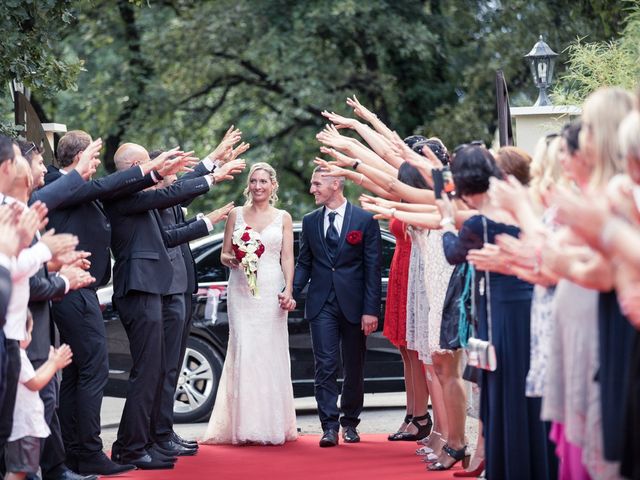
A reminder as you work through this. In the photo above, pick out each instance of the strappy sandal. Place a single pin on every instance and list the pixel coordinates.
(394, 437)
(423, 430)
(457, 455)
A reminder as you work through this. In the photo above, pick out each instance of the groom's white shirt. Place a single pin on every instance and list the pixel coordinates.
(337, 222)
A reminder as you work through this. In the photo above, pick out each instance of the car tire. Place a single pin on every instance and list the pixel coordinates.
(198, 381)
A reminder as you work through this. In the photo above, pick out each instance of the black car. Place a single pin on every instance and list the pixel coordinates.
(207, 345)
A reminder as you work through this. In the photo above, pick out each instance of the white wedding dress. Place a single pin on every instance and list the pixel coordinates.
(254, 403)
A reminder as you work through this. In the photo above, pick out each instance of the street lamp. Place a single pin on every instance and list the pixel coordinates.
(542, 60)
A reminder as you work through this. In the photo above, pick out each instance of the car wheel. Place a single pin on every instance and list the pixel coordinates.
(197, 382)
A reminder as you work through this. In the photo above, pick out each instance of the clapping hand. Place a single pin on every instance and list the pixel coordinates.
(220, 214)
(30, 221)
(59, 244)
(10, 245)
(77, 277)
(74, 258)
(89, 160)
(61, 357)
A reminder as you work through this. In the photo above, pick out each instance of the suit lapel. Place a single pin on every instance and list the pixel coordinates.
(345, 228)
(320, 223)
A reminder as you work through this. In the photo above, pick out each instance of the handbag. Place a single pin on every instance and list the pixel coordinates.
(456, 312)
(482, 353)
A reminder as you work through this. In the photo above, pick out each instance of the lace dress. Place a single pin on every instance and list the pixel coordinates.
(417, 302)
(438, 273)
(254, 403)
(395, 314)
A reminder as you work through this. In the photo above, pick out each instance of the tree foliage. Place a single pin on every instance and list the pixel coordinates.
(169, 72)
(592, 65)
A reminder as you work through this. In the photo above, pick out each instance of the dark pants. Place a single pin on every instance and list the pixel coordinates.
(52, 454)
(81, 326)
(141, 315)
(6, 412)
(173, 327)
(330, 331)
(188, 307)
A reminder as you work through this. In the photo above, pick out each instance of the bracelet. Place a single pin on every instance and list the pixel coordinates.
(392, 212)
(355, 164)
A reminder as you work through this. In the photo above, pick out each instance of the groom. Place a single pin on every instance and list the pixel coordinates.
(340, 252)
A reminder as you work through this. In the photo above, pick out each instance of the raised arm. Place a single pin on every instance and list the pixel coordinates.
(380, 145)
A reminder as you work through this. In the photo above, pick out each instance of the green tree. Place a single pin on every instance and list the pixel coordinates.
(180, 71)
(30, 48)
(592, 65)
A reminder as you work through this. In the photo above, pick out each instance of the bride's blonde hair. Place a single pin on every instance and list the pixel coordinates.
(273, 198)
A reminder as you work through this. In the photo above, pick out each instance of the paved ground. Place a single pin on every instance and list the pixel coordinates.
(383, 414)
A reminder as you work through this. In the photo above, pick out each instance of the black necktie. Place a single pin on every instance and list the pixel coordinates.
(332, 236)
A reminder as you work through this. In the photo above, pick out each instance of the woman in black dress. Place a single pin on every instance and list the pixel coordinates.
(516, 439)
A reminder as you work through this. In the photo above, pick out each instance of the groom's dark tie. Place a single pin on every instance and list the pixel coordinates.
(332, 236)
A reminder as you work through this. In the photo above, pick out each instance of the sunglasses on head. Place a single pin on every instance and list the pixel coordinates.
(474, 143)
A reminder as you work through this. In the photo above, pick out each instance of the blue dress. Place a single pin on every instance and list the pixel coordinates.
(517, 445)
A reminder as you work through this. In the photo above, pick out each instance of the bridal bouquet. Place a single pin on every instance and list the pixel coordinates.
(248, 248)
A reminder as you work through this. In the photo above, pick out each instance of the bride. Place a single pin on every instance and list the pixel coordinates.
(254, 403)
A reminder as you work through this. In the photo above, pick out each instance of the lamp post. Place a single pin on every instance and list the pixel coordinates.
(542, 60)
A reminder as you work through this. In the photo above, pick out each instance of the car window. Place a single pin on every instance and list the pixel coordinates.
(210, 268)
(388, 247)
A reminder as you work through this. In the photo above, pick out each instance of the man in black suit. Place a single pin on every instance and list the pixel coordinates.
(78, 315)
(340, 252)
(143, 278)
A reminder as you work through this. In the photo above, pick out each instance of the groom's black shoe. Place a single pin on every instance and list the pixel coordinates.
(99, 464)
(350, 435)
(329, 438)
(147, 462)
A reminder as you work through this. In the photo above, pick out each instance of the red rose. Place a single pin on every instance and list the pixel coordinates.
(245, 237)
(354, 237)
(260, 250)
(240, 254)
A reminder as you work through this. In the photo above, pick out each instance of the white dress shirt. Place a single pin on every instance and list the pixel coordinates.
(338, 221)
(28, 414)
(22, 268)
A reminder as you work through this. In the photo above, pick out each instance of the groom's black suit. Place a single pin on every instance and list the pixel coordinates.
(345, 284)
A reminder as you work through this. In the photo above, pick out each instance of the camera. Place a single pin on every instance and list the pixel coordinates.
(443, 181)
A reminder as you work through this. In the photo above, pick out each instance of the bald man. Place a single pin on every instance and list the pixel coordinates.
(142, 279)
(78, 315)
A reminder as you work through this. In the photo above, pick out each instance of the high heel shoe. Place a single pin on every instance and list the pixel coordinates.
(394, 437)
(429, 442)
(457, 455)
(423, 430)
(476, 472)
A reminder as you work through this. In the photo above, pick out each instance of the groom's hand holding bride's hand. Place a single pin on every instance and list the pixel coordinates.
(286, 301)
(369, 324)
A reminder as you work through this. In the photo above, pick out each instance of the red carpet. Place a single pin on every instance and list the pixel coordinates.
(373, 458)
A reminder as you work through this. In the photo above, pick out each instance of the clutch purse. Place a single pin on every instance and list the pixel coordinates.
(481, 353)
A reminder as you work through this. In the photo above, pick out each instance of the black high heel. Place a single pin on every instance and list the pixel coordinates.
(423, 430)
(457, 455)
(394, 437)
